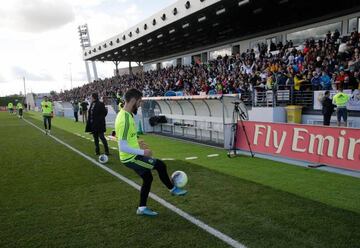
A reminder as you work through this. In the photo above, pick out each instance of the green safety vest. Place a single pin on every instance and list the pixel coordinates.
(341, 99)
(19, 106)
(46, 108)
(10, 105)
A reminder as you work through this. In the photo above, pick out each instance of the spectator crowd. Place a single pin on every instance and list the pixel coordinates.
(327, 64)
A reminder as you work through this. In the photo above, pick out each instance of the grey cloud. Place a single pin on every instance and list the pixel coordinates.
(41, 15)
(21, 72)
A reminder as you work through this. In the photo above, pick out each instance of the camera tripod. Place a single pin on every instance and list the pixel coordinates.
(238, 115)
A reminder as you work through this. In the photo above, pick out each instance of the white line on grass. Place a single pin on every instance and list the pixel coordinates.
(168, 159)
(230, 241)
(212, 155)
(114, 148)
(191, 158)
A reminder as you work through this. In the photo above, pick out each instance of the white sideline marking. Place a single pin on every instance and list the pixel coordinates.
(212, 155)
(114, 148)
(168, 159)
(230, 241)
(191, 158)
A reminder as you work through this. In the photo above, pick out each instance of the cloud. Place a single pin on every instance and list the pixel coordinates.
(21, 72)
(37, 15)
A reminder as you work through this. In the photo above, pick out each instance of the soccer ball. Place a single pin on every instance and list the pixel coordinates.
(179, 179)
(103, 159)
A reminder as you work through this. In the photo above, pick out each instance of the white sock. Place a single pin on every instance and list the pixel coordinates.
(142, 208)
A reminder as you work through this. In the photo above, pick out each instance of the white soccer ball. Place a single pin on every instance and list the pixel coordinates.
(103, 159)
(179, 179)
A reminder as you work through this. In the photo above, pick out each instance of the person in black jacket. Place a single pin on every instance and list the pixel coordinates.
(96, 123)
(328, 108)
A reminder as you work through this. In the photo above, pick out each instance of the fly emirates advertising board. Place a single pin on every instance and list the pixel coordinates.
(333, 146)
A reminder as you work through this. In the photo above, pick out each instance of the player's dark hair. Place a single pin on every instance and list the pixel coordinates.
(133, 93)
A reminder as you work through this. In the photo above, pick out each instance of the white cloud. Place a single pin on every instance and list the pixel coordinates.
(36, 15)
(43, 55)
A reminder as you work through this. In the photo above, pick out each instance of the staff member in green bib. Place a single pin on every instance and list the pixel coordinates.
(19, 108)
(47, 112)
(10, 107)
(340, 100)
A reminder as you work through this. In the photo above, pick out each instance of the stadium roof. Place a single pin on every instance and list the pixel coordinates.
(195, 24)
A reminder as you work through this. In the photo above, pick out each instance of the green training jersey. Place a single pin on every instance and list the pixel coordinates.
(46, 108)
(125, 129)
(19, 106)
(341, 99)
(10, 105)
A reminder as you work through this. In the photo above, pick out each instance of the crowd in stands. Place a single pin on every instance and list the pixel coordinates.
(330, 63)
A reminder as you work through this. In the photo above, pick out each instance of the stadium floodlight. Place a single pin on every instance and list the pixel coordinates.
(115, 53)
(159, 36)
(186, 25)
(149, 40)
(201, 19)
(172, 31)
(243, 2)
(124, 50)
(220, 11)
(140, 44)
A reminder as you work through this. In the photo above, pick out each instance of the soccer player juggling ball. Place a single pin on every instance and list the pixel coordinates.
(136, 155)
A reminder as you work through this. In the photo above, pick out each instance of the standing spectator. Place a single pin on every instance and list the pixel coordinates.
(75, 106)
(328, 108)
(84, 108)
(340, 100)
(96, 124)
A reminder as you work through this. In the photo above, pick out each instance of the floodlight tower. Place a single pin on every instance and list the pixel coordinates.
(85, 43)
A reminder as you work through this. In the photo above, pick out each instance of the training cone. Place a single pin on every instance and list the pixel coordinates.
(140, 131)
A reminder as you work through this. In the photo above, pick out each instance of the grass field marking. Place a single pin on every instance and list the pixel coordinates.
(168, 159)
(191, 158)
(230, 241)
(213, 155)
(114, 148)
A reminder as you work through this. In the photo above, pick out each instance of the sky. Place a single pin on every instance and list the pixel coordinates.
(39, 39)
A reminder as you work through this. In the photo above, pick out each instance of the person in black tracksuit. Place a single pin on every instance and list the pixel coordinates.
(328, 108)
(96, 123)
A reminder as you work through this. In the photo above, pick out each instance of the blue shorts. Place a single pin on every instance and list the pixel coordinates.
(341, 112)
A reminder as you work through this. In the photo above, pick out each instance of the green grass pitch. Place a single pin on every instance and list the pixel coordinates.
(52, 197)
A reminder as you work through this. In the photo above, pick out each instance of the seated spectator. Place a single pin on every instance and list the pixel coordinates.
(325, 81)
